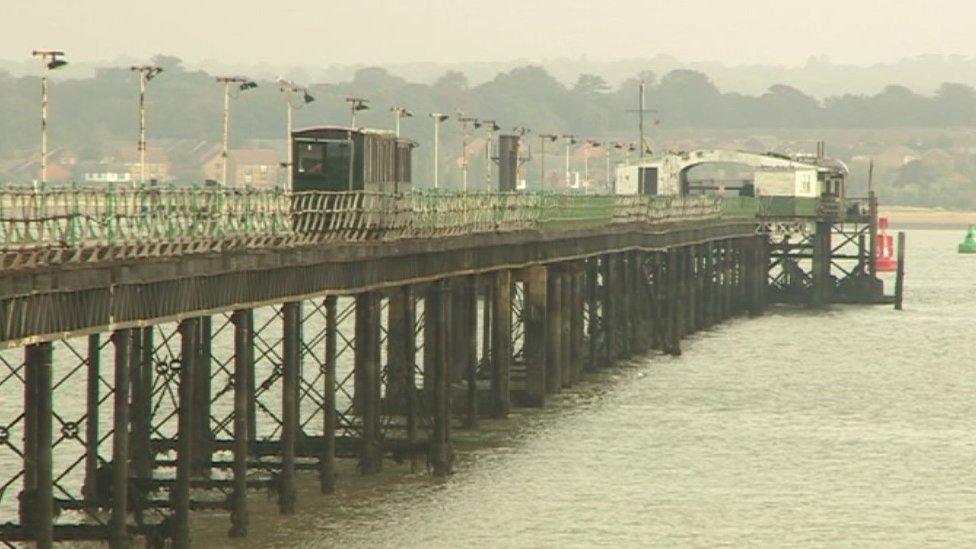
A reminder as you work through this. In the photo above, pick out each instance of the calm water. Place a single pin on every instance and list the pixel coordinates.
(851, 427)
(847, 428)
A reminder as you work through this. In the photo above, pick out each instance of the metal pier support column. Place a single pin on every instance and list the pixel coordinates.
(327, 458)
(291, 313)
(189, 334)
(401, 350)
(639, 305)
(680, 311)
(721, 269)
(754, 275)
(457, 342)
(691, 290)
(501, 342)
(621, 305)
(710, 293)
(124, 360)
(202, 435)
(821, 265)
(534, 319)
(729, 286)
(672, 343)
(609, 310)
(469, 349)
(576, 334)
(873, 235)
(741, 279)
(37, 498)
(592, 320)
(436, 312)
(554, 330)
(656, 293)
(900, 273)
(633, 304)
(92, 382)
(764, 265)
(243, 321)
(701, 274)
(140, 412)
(367, 380)
(397, 351)
(565, 328)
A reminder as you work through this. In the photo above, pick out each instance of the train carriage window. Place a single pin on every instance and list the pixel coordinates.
(329, 161)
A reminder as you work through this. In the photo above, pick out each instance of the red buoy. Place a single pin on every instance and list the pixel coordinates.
(885, 258)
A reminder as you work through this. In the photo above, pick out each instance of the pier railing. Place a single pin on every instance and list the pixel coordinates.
(72, 225)
(794, 207)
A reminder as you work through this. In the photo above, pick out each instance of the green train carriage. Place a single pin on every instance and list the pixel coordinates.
(336, 159)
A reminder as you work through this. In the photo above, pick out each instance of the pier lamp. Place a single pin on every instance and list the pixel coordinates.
(146, 73)
(491, 127)
(544, 138)
(400, 113)
(465, 121)
(522, 131)
(50, 60)
(570, 141)
(242, 84)
(289, 90)
(438, 118)
(356, 104)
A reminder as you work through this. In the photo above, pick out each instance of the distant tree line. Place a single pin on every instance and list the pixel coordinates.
(187, 104)
(97, 114)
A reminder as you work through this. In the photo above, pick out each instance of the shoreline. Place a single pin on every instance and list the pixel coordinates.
(927, 218)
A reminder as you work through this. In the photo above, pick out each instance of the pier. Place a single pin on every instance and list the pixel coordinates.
(173, 350)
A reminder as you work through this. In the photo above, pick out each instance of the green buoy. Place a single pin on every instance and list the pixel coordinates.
(968, 244)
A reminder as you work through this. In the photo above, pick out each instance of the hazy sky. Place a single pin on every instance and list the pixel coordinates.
(325, 32)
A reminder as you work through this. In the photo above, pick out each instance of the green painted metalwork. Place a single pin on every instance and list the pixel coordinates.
(72, 224)
(773, 206)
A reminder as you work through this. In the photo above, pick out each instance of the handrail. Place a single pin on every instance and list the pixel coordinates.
(77, 224)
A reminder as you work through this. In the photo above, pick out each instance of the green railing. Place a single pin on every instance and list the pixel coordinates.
(789, 207)
(76, 224)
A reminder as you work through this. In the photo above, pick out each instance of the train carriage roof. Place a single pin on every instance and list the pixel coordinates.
(342, 129)
(312, 131)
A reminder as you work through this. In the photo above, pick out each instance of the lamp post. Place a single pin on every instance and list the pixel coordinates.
(570, 141)
(464, 121)
(50, 60)
(522, 131)
(438, 118)
(544, 137)
(492, 128)
(400, 113)
(243, 84)
(146, 73)
(290, 89)
(356, 104)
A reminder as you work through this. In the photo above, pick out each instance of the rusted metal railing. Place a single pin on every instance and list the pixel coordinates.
(75, 224)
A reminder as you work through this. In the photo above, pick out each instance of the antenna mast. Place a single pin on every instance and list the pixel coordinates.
(641, 111)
